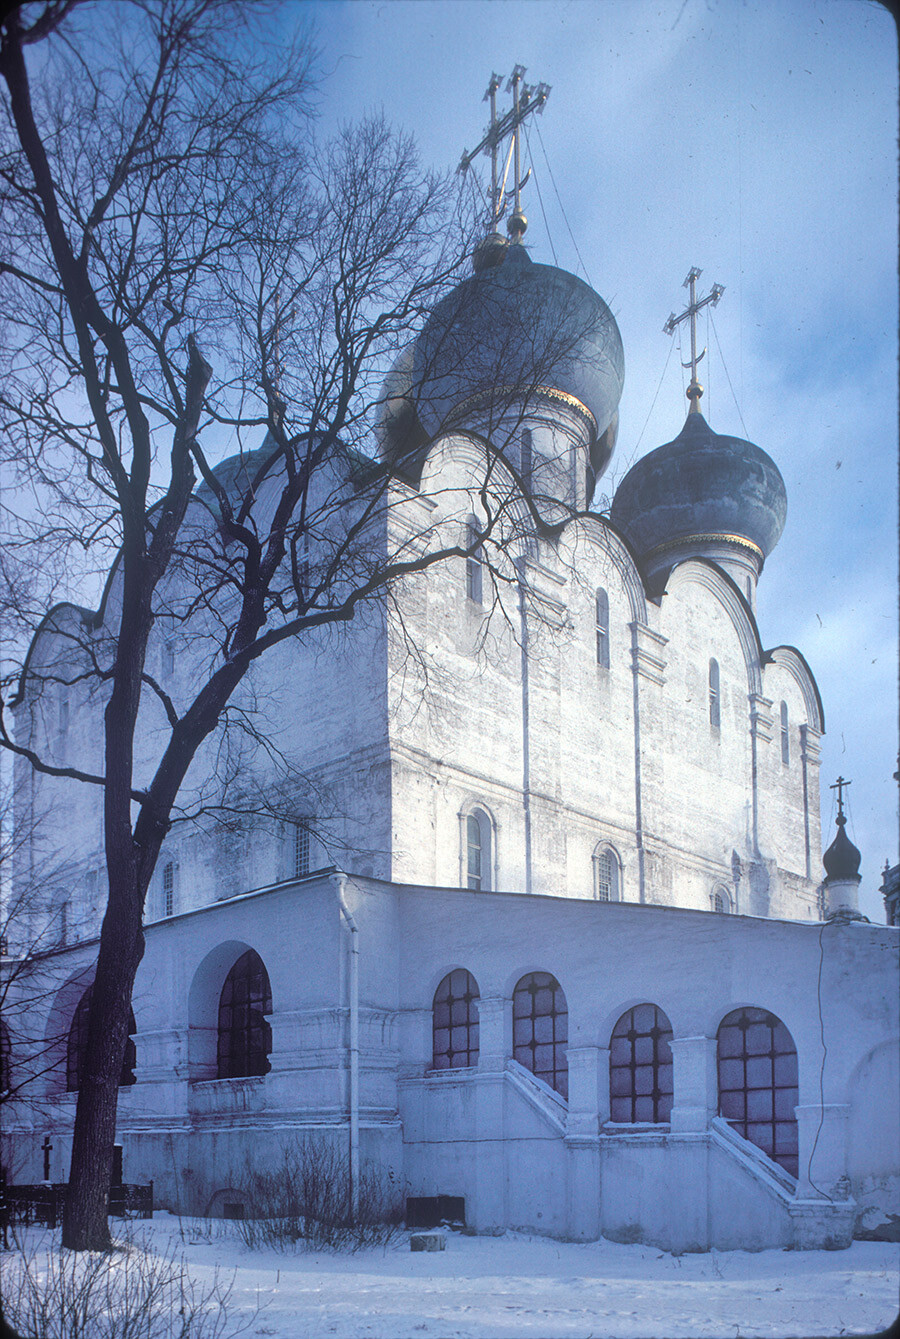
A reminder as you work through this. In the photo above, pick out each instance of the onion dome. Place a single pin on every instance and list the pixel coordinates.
(514, 329)
(842, 859)
(702, 494)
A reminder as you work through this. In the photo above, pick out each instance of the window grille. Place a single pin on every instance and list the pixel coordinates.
(640, 1066)
(477, 852)
(474, 563)
(455, 1022)
(76, 1047)
(715, 715)
(757, 1069)
(785, 736)
(169, 889)
(602, 620)
(718, 902)
(541, 1029)
(527, 458)
(301, 848)
(606, 875)
(245, 1037)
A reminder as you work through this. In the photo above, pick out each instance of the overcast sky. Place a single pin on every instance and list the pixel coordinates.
(756, 141)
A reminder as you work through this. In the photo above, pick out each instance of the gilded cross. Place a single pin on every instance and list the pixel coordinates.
(694, 390)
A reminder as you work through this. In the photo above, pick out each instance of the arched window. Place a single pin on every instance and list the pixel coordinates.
(245, 1037)
(474, 563)
(541, 1029)
(785, 736)
(640, 1066)
(455, 1021)
(478, 851)
(601, 606)
(77, 1045)
(721, 899)
(606, 874)
(715, 714)
(757, 1065)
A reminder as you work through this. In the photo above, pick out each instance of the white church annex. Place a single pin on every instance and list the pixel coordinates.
(548, 932)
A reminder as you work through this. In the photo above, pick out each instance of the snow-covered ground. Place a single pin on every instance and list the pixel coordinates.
(522, 1287)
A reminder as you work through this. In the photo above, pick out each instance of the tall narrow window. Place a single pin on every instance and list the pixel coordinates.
(64, 925)
(77, 1045)
(602, 619)
(715, 714)
(478, 851)
(455, 1022)
(606, 874)
(757, 1068)
(167, 658)
(169, 889)
(785, 736)
(301, 848)
(721, 901)
(245, 1037)
(474, 564)
(63, 716)
(541, 1029)
(527, 459)
(640, 1066)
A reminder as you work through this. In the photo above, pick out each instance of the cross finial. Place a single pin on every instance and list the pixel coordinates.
(839, 787)
(694, 390)
(525, 101)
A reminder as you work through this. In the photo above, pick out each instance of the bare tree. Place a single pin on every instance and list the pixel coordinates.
(162, 195)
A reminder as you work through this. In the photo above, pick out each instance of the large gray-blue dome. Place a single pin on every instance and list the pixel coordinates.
(513, 327)
(701, 485)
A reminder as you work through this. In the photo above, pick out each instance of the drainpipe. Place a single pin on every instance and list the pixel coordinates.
(353, 1048)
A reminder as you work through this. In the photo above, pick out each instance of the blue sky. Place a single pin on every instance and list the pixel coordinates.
(756, 141)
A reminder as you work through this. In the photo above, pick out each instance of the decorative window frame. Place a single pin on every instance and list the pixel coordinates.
(602, 850)
(474, 563)
(660, 1066)
(785, 731)
(721, 900)
(488, 828)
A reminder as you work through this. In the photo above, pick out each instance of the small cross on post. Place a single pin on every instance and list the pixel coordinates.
(839, 787)
(694, 390)
(46, 1146)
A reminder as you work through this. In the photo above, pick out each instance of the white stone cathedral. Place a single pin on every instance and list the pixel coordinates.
(547, 938)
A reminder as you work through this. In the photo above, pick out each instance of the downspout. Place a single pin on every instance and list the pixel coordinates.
(353, 1048)
(526, 712)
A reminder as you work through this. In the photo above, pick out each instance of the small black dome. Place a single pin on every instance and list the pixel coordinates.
(841, 860)
(702, 483)
(511, 325)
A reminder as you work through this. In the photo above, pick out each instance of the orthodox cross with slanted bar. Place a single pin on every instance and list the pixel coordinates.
(839, 787)
(525, 101)
(694, 390)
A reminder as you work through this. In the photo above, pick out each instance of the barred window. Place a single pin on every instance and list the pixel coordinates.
(606, 874)
(640, 1066)
(785, 736)
(721, 900)
(715, 714)
(602, 628)
(757, 1070)
(455, 1021)
(302, 834)
(245, 1037)
(76, 1047)
(474, 563)
(541, 1029)
(168, 883)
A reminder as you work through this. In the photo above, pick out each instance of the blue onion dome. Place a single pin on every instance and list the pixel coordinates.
(842, 859)
(701, 492)
(514, 329)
